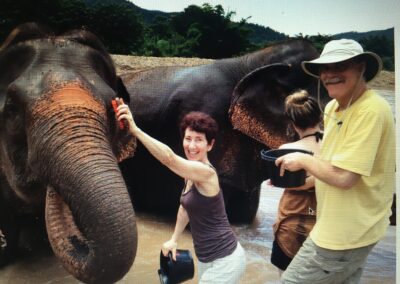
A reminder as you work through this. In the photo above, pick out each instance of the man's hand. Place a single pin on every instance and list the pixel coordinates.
(291, 162)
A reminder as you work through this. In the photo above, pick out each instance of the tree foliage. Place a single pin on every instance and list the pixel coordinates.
(260, 35)
(318, 41)
(383, 46)
(205, 31)
(116, 24)
(118, 27)
(199, 31)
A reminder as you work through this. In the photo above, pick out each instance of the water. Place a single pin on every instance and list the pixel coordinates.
(41, 267)
(256, 238)
(389, 95)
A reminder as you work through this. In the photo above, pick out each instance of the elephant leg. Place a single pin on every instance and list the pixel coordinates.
(32, 233)
(242, 206)
(9, 236)
(9, 226)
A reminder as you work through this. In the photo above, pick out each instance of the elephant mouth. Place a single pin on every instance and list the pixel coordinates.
(65, 237)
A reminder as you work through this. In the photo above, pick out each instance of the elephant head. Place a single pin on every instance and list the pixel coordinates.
(60, 147)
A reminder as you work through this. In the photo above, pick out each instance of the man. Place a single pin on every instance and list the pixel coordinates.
(355, 170)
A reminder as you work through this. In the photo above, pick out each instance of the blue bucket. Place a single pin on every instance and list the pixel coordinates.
(289, 179)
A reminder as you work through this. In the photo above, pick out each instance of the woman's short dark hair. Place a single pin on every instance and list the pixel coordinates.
(302, 109)
(199, 122)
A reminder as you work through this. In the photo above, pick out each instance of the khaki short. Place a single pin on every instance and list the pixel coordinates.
(313, 264)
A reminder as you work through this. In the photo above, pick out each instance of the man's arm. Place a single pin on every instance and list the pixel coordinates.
(320, 169)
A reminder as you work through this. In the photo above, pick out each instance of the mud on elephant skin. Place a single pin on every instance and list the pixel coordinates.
(60, 147)
(244, 94)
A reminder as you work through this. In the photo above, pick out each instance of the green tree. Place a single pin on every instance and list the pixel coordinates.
(15, 12)
(209, 32)
(159, 38)
(318, 41)
(382, 46)
(59, 15)
(70, 14)
(161, 27)
(118, 27)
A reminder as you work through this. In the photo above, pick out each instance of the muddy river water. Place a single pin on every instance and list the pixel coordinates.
(42, 267)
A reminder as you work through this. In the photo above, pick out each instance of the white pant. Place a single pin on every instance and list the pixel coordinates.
(228, 269)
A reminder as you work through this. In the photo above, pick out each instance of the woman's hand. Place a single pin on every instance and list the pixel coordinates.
(124, 113)
(168, 246)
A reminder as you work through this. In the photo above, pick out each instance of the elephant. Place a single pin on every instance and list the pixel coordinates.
(60, 146)
(245, 95)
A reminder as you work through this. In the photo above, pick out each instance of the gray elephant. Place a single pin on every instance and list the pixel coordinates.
(246, 97)
(59, 150)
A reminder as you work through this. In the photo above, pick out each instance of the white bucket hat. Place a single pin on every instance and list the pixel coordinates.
(341, 50)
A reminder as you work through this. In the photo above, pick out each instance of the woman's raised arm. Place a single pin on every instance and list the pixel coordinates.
(192, 170)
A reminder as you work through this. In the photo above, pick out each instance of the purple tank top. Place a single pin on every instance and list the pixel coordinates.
(212, 234)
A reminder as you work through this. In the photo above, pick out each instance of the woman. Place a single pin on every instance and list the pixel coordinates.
(297, 207)
(221, 257)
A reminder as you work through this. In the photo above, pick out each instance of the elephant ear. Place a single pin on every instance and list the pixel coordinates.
(16, 57)
(24, 32)
(122, 91)
(257, 106)
(124, 143)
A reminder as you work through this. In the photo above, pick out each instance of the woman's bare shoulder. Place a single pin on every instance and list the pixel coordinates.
(293, 145)
(302, 145)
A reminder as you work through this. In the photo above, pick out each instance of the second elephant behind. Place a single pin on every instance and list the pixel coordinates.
(246, 97)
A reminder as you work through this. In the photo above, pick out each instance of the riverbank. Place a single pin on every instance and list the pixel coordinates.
(384, 81)
(125, 63)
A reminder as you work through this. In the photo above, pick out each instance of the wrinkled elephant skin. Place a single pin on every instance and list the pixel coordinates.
(246, 97)
(60, 147)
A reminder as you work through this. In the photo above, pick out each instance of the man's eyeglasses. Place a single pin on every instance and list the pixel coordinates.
(336, 67)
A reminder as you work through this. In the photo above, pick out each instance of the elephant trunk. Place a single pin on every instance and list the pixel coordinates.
(89, 215)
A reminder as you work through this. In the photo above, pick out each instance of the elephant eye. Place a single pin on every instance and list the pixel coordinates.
(10, 107)
(12, 115)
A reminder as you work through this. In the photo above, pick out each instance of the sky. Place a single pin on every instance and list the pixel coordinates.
(292, 17)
